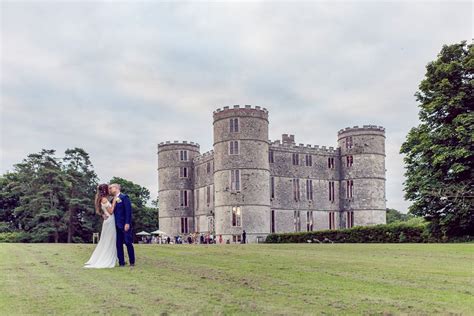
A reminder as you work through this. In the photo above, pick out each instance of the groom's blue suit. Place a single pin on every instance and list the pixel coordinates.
(123, 216)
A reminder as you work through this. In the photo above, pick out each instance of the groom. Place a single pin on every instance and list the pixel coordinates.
(123, 221)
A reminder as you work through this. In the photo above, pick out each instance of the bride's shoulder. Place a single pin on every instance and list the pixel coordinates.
(104, 200)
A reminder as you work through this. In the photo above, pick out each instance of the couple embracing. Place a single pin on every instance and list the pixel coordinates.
(116, 228)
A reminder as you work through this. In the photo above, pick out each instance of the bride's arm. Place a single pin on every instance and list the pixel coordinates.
(111, 208)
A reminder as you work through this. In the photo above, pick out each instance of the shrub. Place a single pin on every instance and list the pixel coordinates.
(392, 233)
(13, 237)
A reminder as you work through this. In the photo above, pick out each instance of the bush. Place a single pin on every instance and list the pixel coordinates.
(392, 233)
(13, 237)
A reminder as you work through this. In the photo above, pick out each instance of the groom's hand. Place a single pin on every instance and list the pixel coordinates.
(127, 227)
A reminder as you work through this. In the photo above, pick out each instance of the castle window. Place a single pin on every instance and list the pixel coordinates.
(184, 198)
(350, 219)
(332, 220)
(271, 159)
(183, 172)
(272, 221)
(296, 159)
(236, 216)
(272, 187)
(208, 195)
(331, 191)
(197, 171)
(183, 155)
(297, 221)
(349, 142)
(296, 189)
(349, 161)
(309, 221)
(234, 125)
(309, 190)
(234, 147)
(197, 199)
(236, 238)
(309, 160)
(208, 167)
(184, 225)
(331, 162)
(235, 180)
(349, 188)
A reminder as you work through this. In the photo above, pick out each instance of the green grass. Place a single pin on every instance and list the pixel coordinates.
(241, 279)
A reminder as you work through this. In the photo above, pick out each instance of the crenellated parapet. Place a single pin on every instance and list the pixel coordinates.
(365, 129)
(306, 148)
(178, 143)
(209, 155)
(237, 110)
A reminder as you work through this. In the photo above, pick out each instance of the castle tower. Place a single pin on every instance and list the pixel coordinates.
(362, 190)
(242, 172)
(176, 186)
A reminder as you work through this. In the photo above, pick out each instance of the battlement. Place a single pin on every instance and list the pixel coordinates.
(304, 148)
(178, 143)
(205, 156)
(237, 110)
(364, 128)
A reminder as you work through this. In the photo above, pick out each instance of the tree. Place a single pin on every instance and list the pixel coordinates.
(439, 151)
(9, 200)
(144, 218)
(395, 216)
(80, 216)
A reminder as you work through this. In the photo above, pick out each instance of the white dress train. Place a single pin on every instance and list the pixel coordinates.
(105, 253)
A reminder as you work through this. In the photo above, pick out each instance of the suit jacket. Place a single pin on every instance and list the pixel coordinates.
(123, 211)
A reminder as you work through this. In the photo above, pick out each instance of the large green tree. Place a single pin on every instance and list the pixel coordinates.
(144, 217)
(439, 151)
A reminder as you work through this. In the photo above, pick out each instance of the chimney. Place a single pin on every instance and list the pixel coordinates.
(288, 139)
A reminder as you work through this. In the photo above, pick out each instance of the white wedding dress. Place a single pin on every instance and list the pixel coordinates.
(105, 254)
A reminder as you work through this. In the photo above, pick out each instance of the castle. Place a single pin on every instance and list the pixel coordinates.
(248, 182)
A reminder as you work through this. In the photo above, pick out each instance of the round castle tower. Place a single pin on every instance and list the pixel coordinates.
(362, 175)
(176, 208)
(244, 205)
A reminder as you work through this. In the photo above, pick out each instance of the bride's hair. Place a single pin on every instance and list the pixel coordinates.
(102, 191)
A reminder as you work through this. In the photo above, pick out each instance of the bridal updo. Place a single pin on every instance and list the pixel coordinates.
(102, 191)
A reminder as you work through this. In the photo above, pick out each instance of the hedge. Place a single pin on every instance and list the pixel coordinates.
(13, 237)
(391, 233)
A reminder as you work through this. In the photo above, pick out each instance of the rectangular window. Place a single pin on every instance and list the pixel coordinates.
(309, 160)
(349, 161)
(236, 216)
(234, 125)
(309, 221)
(183, 198)
(183, 172)
(272, 187)
(234, 147)
(350, 219)
(349, 142)
(272, 221)
(236, 238)
(197, 199)
(296, 189)
(271, 158)
(332, 220)
(331, 191)
(349, 188)
(331, 162)
(208, 195)
(208, 167)
(297, 221)
(296, 159)
(235, 180)
(197, 171)
(184, 225)
(309, 190)
(183, 155)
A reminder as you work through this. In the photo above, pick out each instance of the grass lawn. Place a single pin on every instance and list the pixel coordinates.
(241, 279)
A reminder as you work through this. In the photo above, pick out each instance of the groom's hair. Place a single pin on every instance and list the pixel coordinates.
(115, 185)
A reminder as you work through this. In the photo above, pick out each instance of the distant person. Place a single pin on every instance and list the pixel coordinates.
(244, 237)
(220, 239)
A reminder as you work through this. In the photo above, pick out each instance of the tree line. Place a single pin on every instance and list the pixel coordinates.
(50, 199)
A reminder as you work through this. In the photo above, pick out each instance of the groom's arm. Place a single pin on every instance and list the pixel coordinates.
(128, 210)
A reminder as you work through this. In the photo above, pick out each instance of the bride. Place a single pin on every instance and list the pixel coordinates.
(105, 254)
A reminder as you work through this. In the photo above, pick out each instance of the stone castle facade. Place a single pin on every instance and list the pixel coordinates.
(248, 182)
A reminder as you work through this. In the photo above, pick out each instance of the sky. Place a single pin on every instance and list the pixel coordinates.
(116, 78)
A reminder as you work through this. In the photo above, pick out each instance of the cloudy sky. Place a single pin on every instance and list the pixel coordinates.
(117, 78)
